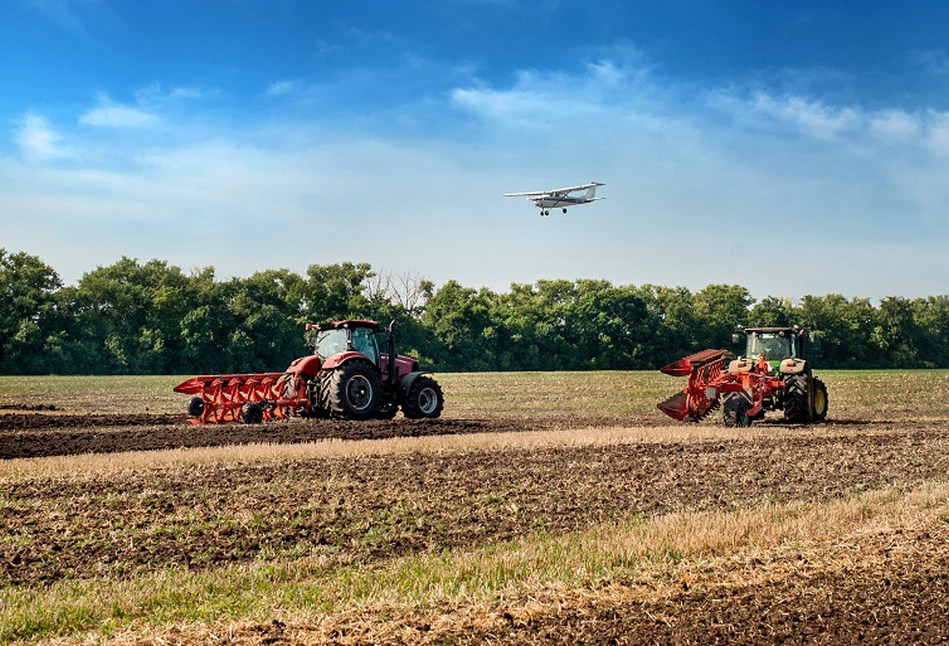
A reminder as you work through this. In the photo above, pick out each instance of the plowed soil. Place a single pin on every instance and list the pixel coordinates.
(363, 510)
(32, 435)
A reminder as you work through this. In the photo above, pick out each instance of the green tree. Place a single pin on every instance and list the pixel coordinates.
(27, 312)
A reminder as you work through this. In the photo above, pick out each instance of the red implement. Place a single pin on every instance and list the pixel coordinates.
(700, 396)
(234, 398)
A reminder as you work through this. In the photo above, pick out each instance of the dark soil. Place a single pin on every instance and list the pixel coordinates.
(372, 507)
(38, 435)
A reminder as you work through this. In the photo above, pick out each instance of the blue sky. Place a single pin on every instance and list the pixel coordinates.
(791, 147)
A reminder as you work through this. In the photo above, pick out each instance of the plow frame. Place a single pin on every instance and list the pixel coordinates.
(709, 382)
(223, 397)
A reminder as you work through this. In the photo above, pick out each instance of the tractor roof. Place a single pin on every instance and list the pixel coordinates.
(349, 323)
(772, 329)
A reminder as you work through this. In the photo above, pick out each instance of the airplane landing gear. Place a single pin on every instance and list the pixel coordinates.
(565, 210)
(545, 212)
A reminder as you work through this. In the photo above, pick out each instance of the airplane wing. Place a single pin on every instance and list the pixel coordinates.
(527, 194)
(571, 189)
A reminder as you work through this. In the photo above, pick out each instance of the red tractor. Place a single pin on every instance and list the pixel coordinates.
(773, 375)
(346, 377)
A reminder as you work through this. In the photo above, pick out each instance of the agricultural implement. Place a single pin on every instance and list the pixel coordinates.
(772, 375)
(346, 377)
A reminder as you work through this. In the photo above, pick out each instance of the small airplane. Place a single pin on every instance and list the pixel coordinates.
(560, 197)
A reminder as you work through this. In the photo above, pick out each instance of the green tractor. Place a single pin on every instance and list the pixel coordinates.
(780, 351)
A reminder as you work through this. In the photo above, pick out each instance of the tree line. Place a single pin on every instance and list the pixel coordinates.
(154, 318)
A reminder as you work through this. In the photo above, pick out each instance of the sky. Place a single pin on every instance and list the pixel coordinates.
(790, 147)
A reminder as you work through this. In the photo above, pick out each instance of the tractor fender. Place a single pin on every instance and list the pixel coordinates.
(740, 365)
(792, 366)
(405, 384)
(344, 357)
(305, 365)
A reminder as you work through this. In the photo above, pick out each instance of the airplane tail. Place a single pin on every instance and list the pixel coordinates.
(591, 193)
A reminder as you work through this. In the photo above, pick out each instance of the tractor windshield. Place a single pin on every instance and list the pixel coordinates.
(330, 342)
(364, 340)
(774, 345)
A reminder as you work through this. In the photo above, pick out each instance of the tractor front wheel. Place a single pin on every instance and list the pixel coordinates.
(353, 391)
(819, 401)
(424, 399)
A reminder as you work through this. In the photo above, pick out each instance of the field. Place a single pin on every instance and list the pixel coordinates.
(542, 507)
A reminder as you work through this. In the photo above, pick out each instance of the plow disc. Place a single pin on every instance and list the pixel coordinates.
(244, 398)
(701, 395)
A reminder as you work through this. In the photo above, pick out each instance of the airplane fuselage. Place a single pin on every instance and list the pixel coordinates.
(558, 202)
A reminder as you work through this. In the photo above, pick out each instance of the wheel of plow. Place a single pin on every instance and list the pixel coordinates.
(195, 407)
(735, 409)
(424, 399)
(352, 391)
(819, 401)
(252, 413)
(797, 405)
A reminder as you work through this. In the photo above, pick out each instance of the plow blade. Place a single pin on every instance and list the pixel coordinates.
(244, 397)
(701, 395)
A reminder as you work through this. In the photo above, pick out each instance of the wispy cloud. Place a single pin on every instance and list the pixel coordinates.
(286, 86)
(110, 114)
(37, 139)
(933, 60)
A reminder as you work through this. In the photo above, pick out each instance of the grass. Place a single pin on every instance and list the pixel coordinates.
(858, 394)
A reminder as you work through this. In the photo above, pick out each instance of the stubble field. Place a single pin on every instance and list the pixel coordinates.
(555, 508)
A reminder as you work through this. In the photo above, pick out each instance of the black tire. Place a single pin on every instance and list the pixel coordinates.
(195, 407)
(424, 399)
(797, 405)
(252, 413)
(352, 391)
(734, 410)
(819, 401)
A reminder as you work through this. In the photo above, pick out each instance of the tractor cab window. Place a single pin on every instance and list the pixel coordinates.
(774, 345)
(330, 342)
(364, 340)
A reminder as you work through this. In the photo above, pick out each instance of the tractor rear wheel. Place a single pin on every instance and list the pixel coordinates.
(424, 399)
(353, 391)
(819, 401)
(797, 405)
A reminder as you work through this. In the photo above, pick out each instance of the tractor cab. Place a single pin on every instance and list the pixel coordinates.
(775, 343)
(346, 336)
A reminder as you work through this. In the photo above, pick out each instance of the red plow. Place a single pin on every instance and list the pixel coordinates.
(745, 393)
(746, 387)
(251, 398)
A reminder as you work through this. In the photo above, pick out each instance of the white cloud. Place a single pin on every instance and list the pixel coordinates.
(37, 139)
(810, 117)
(285, 86)
(156, 94)
(895, 125)
(109, 114)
